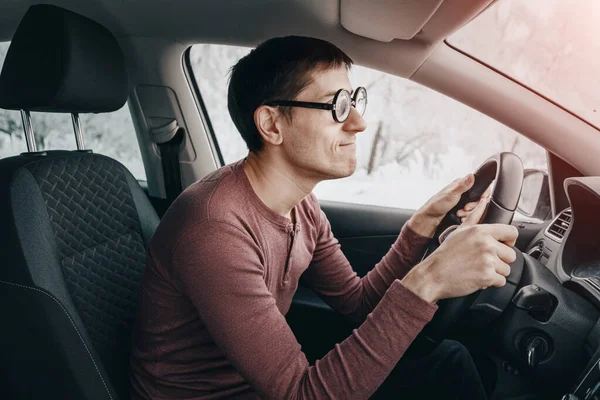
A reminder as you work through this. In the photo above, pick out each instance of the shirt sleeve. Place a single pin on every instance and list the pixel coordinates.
(229, 292)
(332, 277)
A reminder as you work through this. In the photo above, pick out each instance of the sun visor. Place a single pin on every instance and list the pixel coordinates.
(386, 20)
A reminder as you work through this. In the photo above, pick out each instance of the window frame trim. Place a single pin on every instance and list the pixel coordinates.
(201, 106)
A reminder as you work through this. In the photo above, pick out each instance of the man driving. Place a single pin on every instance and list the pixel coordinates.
(228, 255)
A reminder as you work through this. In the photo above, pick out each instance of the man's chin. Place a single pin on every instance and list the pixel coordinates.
(342, 172)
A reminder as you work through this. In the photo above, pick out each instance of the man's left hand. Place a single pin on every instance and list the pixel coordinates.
(427, 218)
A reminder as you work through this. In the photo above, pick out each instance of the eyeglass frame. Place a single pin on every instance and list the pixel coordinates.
(323, 106)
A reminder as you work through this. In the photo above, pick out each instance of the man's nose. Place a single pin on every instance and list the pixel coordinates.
(355, 122)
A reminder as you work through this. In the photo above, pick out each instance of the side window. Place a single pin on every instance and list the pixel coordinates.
(210, 68)
(417, 140)
(111, 134)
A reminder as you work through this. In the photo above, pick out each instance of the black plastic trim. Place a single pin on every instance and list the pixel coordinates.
(189, 74)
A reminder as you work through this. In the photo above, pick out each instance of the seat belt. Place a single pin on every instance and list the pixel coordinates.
(169, 138)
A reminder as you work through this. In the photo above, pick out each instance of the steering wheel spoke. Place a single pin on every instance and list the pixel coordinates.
(506, 169)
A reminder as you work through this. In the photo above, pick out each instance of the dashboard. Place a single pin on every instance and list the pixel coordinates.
(569, 247)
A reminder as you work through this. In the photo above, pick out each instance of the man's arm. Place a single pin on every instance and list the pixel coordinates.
(228, 290)
(331, 275)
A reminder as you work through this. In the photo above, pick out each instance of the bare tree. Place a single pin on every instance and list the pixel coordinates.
(10, 123)
(411, 145)
(374, 148)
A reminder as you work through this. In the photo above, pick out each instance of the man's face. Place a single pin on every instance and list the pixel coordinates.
(319, 147)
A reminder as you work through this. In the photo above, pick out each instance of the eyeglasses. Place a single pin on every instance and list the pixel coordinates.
(340, 107)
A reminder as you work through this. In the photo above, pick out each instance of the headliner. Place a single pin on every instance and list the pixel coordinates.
(247, 23)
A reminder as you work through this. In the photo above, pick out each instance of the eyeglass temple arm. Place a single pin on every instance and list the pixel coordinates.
(305, 104)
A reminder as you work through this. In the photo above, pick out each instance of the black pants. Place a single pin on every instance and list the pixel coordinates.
(448, 373)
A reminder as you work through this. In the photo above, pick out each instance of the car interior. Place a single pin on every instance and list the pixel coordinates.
(74, 223)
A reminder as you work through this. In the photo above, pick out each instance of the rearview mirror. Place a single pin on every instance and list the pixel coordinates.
(535, 195)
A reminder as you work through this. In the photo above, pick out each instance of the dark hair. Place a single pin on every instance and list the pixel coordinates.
(277, 69)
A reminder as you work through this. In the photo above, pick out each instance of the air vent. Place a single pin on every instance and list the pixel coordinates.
(557, 228)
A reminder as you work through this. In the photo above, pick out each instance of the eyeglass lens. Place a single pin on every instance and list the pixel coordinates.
(343, 102)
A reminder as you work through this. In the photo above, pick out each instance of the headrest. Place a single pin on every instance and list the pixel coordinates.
(59, 61)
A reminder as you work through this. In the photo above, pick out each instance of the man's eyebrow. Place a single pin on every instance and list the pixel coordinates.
(332, 93)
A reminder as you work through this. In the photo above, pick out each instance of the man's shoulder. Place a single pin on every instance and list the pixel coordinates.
(215, 194)
(207, 199)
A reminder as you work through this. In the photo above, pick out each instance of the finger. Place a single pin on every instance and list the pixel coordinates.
(504, 253)
(473, 204)
(463, 212)
(502, 268)
(475, 216)
(501, 232)
(466, 183)
(487, 192)
(452, 184)
(463, 215)
(498, 281)
(460, 185)
(470, 206)
(451, 187)
(462, 220)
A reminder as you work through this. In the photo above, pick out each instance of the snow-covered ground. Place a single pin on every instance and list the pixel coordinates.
(393, 185)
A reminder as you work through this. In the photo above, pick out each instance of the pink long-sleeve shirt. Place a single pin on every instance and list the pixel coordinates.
(222, 271)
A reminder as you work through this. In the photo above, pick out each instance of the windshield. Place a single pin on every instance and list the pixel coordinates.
(551, 46)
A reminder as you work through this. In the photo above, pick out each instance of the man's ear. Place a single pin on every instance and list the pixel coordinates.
(266, 119)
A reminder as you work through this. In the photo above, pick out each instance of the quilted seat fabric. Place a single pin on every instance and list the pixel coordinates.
(101, 249)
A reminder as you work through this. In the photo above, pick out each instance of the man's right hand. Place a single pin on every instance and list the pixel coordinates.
(472, 258)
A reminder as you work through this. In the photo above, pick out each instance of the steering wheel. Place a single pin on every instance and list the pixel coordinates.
(507, 169)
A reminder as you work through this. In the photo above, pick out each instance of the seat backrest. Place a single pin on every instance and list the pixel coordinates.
(73, 224)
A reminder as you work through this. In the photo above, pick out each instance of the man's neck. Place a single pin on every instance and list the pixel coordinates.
(276, 184)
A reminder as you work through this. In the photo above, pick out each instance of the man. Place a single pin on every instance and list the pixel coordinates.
(227, 257)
